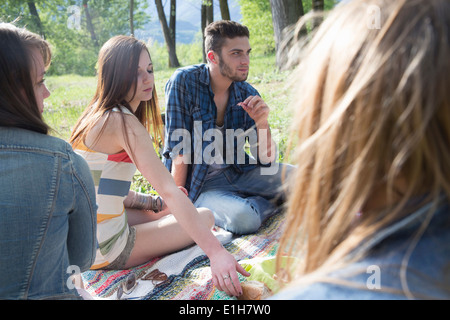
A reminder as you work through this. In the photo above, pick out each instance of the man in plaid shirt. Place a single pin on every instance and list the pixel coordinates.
(211, 113)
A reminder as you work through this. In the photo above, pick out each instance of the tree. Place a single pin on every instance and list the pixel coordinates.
(170, 42)
(317, 5)
(224, 10)
(172, 20)
(75, 45)
(266, 22)
(284, 14)
(257, 16)
(132, 17)
(90, 26)
(207, 16)
(35, 15)
(24, 13)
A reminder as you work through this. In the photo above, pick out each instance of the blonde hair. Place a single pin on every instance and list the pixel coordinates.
(372, 122)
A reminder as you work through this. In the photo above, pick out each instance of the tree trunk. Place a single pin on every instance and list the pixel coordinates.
(317, 5)
(90, 26)
(224, 10)
(209, 12)
(172, 21)
(207, 16)
(132, 17)
(173, 60)
(37, 20)
(203, 26)
(284, 14)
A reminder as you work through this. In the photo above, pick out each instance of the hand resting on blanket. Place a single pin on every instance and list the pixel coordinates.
(224, 268)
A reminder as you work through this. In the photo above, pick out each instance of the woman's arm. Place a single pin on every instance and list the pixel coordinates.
(140, 149)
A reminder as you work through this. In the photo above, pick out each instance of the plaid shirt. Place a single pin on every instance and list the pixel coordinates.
(190, 106)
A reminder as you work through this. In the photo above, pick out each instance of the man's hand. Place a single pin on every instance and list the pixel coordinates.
(184, 190)
(257, 109)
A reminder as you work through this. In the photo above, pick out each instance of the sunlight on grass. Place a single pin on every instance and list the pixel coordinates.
(70, 94)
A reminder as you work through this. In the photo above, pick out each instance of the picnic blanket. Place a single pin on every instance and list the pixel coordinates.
(188, 271)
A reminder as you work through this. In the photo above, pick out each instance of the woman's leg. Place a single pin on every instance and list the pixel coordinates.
(163, 236)
(136, 216)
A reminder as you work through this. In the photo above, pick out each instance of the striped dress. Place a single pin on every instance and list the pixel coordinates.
(112, 176)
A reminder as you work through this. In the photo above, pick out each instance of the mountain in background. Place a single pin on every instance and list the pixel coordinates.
(188, 20)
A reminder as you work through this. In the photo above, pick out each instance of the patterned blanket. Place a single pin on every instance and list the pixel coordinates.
(188, 271)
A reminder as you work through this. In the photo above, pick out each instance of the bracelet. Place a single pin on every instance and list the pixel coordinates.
(140, 201)
(144, 201)
(157, 203)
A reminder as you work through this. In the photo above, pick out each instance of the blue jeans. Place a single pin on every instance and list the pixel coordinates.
(241, 202)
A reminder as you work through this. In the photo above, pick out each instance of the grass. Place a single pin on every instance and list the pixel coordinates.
(70, 94)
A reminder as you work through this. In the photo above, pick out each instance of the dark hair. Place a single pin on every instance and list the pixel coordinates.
(18, 106)
(217, 31)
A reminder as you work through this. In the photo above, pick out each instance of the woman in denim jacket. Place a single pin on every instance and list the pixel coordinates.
(369, 213)
(47, 196)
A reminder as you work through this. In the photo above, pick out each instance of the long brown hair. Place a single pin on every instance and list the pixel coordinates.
(117, 74)
(18, 106)
(372, 120)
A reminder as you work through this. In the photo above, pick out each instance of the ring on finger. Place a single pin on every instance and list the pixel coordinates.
(226, 277)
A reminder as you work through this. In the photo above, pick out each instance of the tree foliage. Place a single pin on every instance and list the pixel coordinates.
(65, 26)
(169, 30)
(257, 16)
(77, 28)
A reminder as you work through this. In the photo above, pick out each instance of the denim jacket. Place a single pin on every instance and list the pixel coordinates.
(47, 216)
(379, 276)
